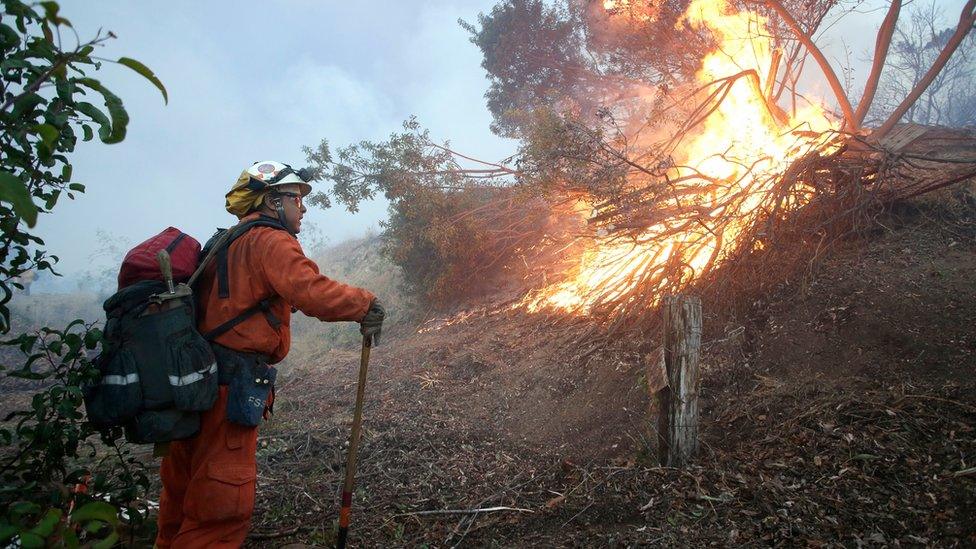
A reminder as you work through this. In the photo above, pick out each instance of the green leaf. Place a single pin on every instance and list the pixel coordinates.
(50, 9)
(120, 118)
(8, 36)
(146, 73)
(14, 192)
(46, 30)
(7, 531)
(89, 134)
(47, 524)
(14, 64)
(22, 508)
(70, 539)
(49, 136)
(29, 541)
(92, 338)
(26, 374)
(25, 105)
(64, 89)
(56, 346)
(27, 343)
(97, 116)
(96, 510)
(51, 13)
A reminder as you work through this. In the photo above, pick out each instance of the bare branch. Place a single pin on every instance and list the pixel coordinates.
(880, 55)
(966, 21)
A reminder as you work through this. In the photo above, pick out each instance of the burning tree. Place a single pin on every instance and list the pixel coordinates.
(675, 135)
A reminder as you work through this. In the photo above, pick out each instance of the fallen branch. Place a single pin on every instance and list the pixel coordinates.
(465, 511)
(278, 534)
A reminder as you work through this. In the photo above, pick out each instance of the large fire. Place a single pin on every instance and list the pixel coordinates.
(725, 168)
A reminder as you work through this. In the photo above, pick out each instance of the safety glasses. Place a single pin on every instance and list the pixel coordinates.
(296, 196)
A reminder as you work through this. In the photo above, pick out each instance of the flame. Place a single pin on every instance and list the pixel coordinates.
(745, 130)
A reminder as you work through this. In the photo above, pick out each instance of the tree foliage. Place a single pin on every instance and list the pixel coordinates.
(534, 53)
(450, 229)
(582, 57)
(53, 476)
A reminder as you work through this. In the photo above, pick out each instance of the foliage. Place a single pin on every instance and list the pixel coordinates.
(533, 54)
(583, 57)
(449, 230)
(45, 108)
(47, 450)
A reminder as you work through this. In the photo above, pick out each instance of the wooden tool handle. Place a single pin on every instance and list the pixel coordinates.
(166, 266)
(357, 422)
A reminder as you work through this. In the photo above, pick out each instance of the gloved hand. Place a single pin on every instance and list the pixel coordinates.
(371, 324)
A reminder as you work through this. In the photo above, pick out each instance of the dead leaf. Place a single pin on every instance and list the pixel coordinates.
(552, 503)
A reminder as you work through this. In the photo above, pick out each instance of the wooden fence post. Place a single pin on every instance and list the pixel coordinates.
(678, 402)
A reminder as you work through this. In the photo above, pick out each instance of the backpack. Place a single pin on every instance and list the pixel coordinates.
(157, 372)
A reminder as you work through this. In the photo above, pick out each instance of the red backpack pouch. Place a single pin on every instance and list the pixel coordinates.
(141, 263)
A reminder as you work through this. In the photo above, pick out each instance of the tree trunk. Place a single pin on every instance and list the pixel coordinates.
(880, 54)
(678, 402)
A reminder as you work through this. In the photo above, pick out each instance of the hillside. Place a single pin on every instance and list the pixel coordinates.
(839, 411)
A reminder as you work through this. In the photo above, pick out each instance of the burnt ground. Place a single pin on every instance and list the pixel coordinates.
(838, 411)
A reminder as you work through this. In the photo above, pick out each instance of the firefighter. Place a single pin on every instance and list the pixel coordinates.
(209, 480)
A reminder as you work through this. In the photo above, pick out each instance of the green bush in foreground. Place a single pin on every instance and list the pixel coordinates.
(55, 477)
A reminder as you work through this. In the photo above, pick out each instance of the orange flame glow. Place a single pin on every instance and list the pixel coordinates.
(738, 148)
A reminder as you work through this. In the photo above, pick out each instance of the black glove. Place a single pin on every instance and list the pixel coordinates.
(371, 324)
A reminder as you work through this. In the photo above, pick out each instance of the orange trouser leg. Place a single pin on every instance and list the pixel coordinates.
(208, 484)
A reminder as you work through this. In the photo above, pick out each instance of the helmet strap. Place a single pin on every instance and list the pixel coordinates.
(280, 208)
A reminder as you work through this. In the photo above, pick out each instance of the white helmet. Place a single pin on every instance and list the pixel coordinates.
(269, 174)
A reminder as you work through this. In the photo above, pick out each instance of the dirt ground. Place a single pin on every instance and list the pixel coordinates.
(838, 411)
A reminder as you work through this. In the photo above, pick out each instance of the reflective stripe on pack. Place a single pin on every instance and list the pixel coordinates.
(120, 380)
(180, 381)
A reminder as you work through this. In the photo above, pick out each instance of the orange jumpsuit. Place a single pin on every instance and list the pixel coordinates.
(209, 480)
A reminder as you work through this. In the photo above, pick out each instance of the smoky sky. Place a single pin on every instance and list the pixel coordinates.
(252, 81)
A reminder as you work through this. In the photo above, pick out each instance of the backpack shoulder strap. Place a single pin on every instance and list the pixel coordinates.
(218, 245)
(217, 248)
(223, 280)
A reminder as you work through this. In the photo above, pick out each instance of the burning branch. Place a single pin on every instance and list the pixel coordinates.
(850, 121)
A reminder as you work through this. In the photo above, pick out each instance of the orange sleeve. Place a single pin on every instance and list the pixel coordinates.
(297, 280)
